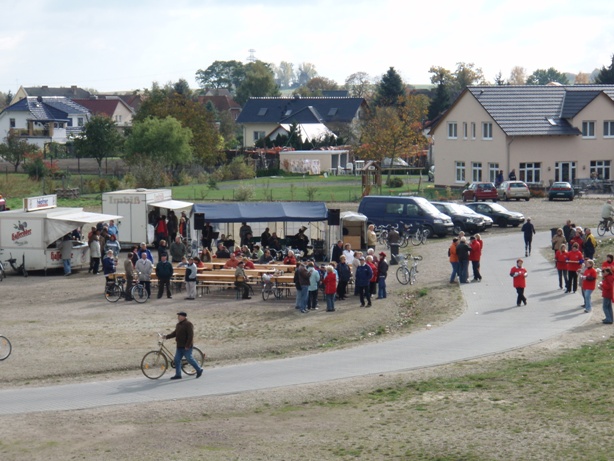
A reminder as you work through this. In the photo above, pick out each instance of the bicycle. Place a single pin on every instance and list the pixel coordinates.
(407, 275)
(605, 225)
(271, 288)
(420, 236)
(382, 234)
(113, 292)
(155, 363)
(5, 348)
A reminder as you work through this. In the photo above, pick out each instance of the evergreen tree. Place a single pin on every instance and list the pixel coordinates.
(606, 74)
(390, 89)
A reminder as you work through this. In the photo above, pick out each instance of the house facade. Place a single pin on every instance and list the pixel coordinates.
(68, 92)
(261, 116)
(41, 120)
(545, 133)
(110, 106)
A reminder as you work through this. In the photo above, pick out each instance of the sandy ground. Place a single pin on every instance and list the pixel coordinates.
(63, 330)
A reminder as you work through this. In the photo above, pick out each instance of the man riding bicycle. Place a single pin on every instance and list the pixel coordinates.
(607, 213)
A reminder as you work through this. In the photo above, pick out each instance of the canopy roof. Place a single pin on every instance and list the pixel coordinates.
(262, 211)
(172, 204)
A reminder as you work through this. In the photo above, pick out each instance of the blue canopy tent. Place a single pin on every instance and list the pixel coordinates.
(262, 212)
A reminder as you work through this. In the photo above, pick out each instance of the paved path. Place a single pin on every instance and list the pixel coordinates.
(491, 324)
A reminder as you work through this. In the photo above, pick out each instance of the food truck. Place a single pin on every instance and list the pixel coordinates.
(30, 237)
(140, 209)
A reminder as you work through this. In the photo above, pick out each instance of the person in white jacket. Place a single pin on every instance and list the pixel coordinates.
(144, 268)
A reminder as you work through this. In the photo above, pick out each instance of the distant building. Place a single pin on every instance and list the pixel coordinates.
(111, 106)
(44, 91)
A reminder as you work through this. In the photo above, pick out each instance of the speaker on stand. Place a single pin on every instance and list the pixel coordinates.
(334, 216)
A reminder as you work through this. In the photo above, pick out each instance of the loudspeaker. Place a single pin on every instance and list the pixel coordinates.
(333, 217)
(199, 221)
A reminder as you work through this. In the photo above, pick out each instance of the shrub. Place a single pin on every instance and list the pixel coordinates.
(244, 193)
(394, 182)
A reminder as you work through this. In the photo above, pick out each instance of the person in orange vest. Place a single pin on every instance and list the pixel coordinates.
(453, 260)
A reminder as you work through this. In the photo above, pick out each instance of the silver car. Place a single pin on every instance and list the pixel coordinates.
(513, 190)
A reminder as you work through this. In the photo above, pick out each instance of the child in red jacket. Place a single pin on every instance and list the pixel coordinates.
(519, 275)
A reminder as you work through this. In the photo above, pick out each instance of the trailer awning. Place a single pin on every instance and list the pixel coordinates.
(263, 212)
(172, 205)
(61, 224)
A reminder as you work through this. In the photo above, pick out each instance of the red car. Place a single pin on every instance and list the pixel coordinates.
(480, 191)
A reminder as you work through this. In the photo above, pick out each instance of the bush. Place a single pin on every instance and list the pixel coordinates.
(237, 169)
(394, 182)
(244, 193)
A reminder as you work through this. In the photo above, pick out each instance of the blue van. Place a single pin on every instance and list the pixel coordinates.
(384, 210)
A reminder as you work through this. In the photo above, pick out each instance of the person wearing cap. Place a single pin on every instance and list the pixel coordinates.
(184, 337)
(519, 275)
(363, 278)
(164, 272)
(382, 273)
(241, 280)
(191, 272)
(528, 230)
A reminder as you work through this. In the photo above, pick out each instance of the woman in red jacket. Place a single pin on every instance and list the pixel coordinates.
(519, 275)
(589, 280)
(374, 279)
(330, 288)
(475, 255)
(560, 256)
(575, 259)
(606, 292)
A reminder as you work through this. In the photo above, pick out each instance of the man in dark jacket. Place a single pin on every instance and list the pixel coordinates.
(303, 282)
(184, 336)
(363, 278)
(337, 252)
(382, 271)
(462, 251)
(528, 230)
(164, 272)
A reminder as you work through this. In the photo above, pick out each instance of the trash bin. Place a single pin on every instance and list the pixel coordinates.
(394, 251)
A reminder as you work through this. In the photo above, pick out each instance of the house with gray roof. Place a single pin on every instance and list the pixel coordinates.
(261, 116)
(41, 120)
(71, 92)
(545, 133)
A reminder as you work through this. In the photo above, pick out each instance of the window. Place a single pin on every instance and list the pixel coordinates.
(394, 208)
(118, 118)
(460, 171)
(600, 169)
(530, 172)
(493, 169)
(472, 130)
(476, 171)
(464, 130)
(487, 130)
(588, 129)
(80, 121)
(259, 135)
(12, 123)
(262, 111)
(608, 129)
(452, 130)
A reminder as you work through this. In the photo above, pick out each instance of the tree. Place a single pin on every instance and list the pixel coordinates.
(443, 78)
(306, 71)
(284, 74)
(15, 150)
(316, 86)
(359, 85)
(499, 80)
(182, 87)
(518, 76)
(545, 76)
(582, 79)
(259, 81)
(207, 144)
(467, 74)
(606, 74)
(100, 139)
(5, 99)
(222, 74)
(389, 89)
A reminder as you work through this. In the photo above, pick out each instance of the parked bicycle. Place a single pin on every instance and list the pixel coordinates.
(420, 235)
(271, 287)
(5, 348)
(405, 274)
(155, 363)
(604, 226)
(382, 234)
(114, 291)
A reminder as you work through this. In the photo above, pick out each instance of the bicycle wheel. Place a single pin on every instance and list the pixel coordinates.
(139, 293)
(113, 293)
(412, 275)
(154, 364)
(266, 292)
(416, 238)
(198, 355)
(612, 228)
(278, 292)
(404, 242)
(403, 275)
(601, 229)
(5, 348)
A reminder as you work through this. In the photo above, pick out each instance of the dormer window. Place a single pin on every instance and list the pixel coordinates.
(288, 112)
(333, 111)
(262, 111)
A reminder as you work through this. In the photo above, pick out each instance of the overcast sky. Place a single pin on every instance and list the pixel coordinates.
(124, 45)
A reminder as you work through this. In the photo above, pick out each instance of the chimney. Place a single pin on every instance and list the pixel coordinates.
(73, 89)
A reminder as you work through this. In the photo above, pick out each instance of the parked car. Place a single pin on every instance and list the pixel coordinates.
(513, 189)
(499, 214)
(480, 191)
(488, 222)
(464, 219)
(562, 190)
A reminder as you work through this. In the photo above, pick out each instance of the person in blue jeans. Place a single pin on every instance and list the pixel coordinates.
(382, 271)
(184, 336)
(363, 278)
(303, 282)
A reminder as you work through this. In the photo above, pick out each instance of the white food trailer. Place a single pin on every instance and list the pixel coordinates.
(31, 236)
(139, 208)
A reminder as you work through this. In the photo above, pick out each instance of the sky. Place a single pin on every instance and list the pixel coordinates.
(121, 45)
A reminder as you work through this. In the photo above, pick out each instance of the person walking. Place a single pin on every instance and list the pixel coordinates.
(453, 257)
(528, 230)
(382, 273)
(66, 253)
(345, 274)
(144, 268)
(462, 251)
(561, 266)
(191, 272)
(475, 255)
(606, 285)
(164, 272)
(330, 287)
(129, 271)
(184, 337)
(574, 263)
(363, 278)
(589, 280)
(371, 237)
(519, 275)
